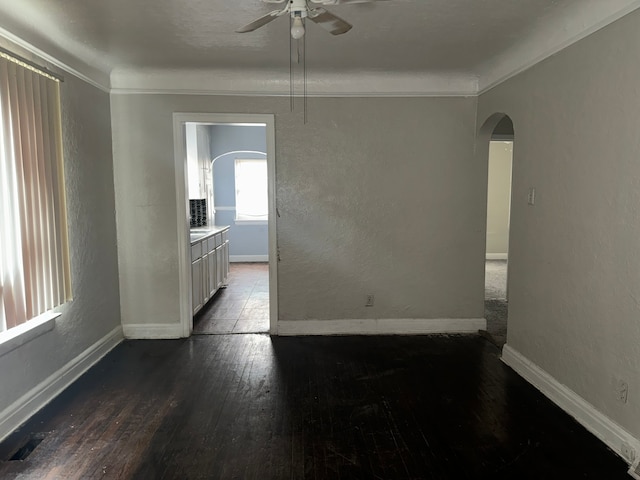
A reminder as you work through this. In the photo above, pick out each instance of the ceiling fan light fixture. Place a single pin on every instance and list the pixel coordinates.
(297, 30)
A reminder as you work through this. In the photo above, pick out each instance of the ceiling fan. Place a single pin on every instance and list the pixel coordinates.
(298, 10)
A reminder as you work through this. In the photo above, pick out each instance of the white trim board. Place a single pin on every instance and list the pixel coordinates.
(609, 432)
(497, 256)
(275, 83)
(381, 326)
(151, 331)
(248, 258)
(35, 399)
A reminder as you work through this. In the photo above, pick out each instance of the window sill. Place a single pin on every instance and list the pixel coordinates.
(252, 222)
(18, 336)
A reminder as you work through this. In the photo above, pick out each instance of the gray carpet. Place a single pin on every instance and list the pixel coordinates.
(495, 303)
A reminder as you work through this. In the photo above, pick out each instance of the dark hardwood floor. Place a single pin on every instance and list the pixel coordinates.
(255, 407)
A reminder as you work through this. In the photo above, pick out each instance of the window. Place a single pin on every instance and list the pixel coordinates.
(252, 198)
(34, 252)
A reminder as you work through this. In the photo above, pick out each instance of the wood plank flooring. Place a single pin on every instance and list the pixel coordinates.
(255, 407)
(242, 307)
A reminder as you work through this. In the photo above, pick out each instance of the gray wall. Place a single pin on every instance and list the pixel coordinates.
(245, 239)
(94, 311)
(574, 263)
(376, 195)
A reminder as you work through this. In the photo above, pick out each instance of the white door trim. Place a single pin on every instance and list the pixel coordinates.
(182, 224)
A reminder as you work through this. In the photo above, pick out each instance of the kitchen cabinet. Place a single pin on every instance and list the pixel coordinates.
(209, 263)
(196, 285)
(212, 273)
(206, 291)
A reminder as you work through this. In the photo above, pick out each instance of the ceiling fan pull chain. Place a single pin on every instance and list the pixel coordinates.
(290, 70)
(304, 67)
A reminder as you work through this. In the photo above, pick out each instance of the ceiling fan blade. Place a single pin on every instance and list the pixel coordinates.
(327, 20)
(260, 22)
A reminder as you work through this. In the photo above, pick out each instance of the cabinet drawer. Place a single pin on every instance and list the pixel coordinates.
(218, 239)
(211, 244)
(196, 251)
(225, 236)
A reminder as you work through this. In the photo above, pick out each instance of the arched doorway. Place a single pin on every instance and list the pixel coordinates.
(496, 138)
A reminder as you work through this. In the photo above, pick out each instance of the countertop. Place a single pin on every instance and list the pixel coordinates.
(200, 233)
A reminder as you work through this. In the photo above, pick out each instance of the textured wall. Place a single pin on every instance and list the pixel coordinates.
(377, 196)
(574, 267)
(94, 311)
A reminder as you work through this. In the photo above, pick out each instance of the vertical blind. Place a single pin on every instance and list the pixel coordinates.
(34, 252)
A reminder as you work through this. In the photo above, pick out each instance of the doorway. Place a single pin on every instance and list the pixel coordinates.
(500, 160)
(252, 280)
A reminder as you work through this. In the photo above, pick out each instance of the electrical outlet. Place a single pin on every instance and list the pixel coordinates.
(370, 300)
(628, 453)
(531, 197)
(622, 391)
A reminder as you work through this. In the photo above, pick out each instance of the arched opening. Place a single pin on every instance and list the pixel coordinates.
(496, 139)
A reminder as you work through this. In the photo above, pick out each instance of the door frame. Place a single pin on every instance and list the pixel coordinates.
(182, 223)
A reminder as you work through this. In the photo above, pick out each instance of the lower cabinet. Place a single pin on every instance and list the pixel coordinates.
(212, 274)
(206, 291)
(209, 267)
(219, 273)
(225, 264)
(197, 297)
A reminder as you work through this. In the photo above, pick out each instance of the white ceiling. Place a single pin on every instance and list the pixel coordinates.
(398, 46)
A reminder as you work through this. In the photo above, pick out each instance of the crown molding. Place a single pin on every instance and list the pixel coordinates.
(555, 35)
(276, 83)
(96, 78)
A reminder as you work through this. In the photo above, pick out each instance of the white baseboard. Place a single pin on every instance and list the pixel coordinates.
(497, 256)
(152, 331)
(400, 326)
(248, 258)
(609, 432)
(31, 402)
